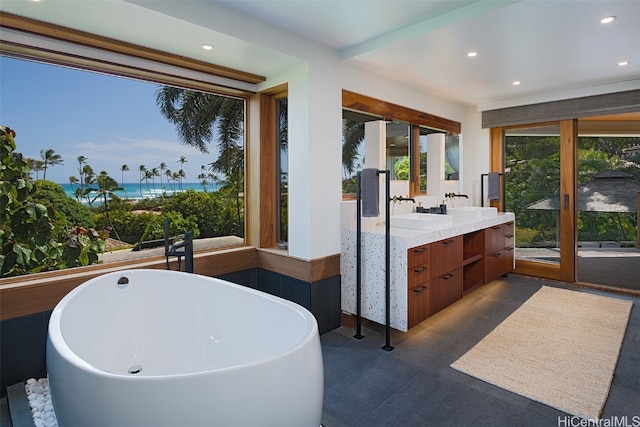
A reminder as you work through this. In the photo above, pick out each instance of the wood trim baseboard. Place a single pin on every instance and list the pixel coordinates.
(537, 269)
(279, 261)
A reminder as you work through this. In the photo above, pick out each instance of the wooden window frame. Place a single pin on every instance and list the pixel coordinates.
(268, 181)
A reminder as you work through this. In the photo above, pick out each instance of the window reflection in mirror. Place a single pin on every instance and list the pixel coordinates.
(353, 147)
(422, 169)
(397, 150)
(452, 157)
(400, 152)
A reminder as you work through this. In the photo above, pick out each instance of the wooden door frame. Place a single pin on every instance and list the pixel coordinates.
(566, 271)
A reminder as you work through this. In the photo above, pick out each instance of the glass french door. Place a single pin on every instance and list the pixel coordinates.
(538, 163)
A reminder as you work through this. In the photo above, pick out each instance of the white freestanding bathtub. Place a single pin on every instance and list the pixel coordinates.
(164, 348)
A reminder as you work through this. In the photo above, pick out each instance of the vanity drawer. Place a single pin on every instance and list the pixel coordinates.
(445, 290)
(509, 235)
(417, 274)
(418, 255)
(418, 301)
(445, 255)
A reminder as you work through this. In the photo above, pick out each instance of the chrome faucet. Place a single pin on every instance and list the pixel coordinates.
(452, 195)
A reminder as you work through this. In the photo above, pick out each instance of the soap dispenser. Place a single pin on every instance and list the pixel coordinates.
(443, 207)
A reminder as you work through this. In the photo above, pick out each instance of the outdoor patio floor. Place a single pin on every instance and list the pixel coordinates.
(608, 266)
(413, 385)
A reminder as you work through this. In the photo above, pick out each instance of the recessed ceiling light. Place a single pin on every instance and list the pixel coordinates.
(623, 63)
(607, 19)
(516, 83)
(472, 54)
(207, 47)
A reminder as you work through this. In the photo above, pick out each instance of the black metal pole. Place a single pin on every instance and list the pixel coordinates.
(188, 252)
(358, 334)
(387, 262)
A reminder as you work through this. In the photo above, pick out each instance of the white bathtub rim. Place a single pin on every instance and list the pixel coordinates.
(56, 339)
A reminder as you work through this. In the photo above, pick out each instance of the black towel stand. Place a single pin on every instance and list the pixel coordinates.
(387, 249)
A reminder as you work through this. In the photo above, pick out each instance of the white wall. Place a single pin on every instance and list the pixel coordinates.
(474, 155)
(315, 127)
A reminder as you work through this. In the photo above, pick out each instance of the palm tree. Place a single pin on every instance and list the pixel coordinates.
(89, 179)
(154, 174)
(81, 161)
(163, 167)
(123, 169)
(169, 176)
(182, 160)
(213, 178)
(142, 169)
(106, 189)
(147, 176)
(50, 158)
(35, 165)
(203, 181)
(353, 135)
(74, 180)
(195, 115)
(175, 176)
(181, 175)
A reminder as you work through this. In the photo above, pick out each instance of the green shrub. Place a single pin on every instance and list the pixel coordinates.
(178, 225)
(525, 237)
(129, 226)
(68, 212)
(203, 207)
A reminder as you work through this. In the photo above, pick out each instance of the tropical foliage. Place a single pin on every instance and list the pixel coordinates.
(533, 174)
(32, 237)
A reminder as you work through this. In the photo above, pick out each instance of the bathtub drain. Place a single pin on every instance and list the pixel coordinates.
(135, 369)
(123, 282)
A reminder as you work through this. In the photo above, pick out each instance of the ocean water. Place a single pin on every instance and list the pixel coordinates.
(135, 191)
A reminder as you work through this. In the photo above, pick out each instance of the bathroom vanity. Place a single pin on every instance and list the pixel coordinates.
(429, 268)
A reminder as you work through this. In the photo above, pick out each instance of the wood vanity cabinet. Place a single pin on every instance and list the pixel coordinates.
(499, 243)
(446, 273)
(445, 290)
(418, 275)
(434, 278)
(439, 273)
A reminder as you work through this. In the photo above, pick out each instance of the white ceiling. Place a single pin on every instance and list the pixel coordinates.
(557, 49)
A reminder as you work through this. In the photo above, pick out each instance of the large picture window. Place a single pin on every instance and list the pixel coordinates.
(118, 156)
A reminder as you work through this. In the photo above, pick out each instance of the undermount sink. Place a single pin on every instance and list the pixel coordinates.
(473, 212)
(421, 221)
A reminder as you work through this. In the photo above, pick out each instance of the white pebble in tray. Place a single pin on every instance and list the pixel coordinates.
(40, 402)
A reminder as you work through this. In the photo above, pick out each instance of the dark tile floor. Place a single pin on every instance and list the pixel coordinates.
(413, 385)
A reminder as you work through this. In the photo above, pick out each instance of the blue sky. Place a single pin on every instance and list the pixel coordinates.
(110, 120)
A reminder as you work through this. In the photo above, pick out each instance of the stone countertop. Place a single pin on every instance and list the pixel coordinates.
(411, 237)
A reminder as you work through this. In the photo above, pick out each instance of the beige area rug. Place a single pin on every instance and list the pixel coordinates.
(559, 348)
